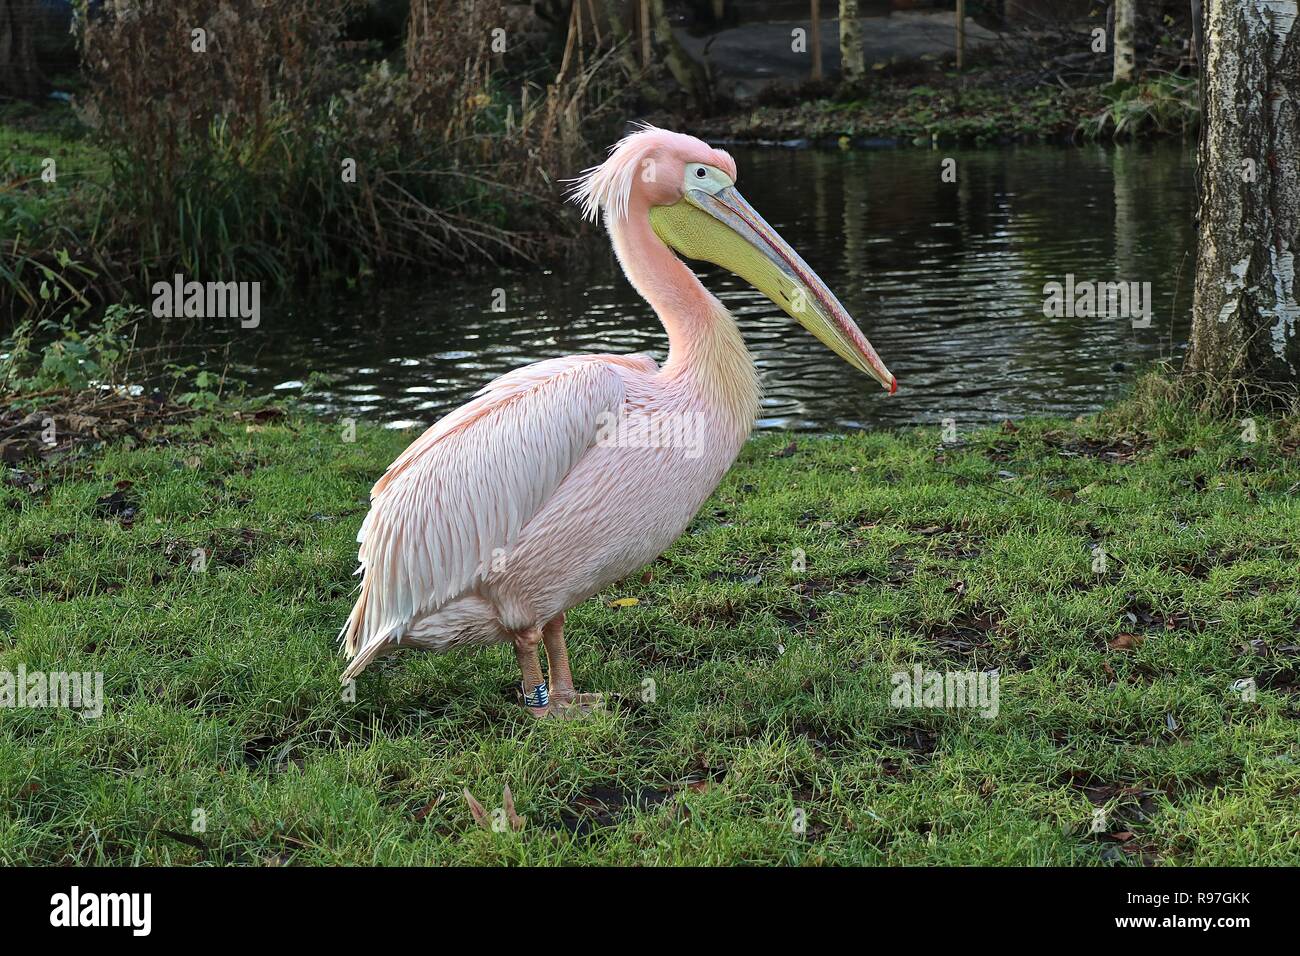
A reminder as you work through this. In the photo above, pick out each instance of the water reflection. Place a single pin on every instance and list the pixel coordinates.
(946, 279)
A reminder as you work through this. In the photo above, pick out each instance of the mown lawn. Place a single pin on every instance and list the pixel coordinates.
(1119, 688)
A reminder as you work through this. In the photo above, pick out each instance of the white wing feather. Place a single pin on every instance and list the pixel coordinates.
(469, 484)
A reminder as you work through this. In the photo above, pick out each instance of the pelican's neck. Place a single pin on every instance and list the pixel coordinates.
(704, 345)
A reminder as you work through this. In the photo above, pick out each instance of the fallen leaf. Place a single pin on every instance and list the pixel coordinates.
(476, 811)
(1126, 642)
(508, 803)
(787, 451)
(624, 602)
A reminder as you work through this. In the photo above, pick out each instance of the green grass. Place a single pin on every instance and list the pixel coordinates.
(44, 225)
(30, 133)
(1163, 105)
(772, 685)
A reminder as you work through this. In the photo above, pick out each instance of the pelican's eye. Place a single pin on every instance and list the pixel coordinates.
(706, 178)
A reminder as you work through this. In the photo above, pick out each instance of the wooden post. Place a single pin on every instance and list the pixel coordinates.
(816, 40)
(645, 32)
(961, 33)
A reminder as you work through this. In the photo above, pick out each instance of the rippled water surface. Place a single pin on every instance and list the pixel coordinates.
(946, 279)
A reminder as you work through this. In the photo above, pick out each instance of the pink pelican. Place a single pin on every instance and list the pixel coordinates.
(560, 478)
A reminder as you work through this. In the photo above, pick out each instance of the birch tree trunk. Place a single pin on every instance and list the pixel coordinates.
(1245, 311)
(1125, 28)
(851, 65)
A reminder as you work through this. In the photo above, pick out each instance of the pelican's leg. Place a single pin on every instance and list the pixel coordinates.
(536, 697)
(564, 699)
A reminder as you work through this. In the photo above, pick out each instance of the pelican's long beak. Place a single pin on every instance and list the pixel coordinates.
(722, 228)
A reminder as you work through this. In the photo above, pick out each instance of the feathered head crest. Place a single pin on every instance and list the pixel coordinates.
(609, 185)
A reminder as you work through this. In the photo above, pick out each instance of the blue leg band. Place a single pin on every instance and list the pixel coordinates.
(539, 697)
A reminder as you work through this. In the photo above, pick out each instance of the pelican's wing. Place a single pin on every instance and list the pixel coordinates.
(468, 485)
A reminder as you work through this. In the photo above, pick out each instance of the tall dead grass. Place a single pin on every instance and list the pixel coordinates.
(231, 127)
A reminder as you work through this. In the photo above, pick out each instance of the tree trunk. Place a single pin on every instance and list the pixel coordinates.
(1125, 29)
(690, 75)
(621, 36)
(851, 65)
(19, 75)
(1245, 312)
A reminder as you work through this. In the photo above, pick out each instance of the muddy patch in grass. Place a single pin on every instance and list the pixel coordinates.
(1115, 450)
(232, 549)
(970, 637)
(1140, 616)
(1121, 811)
(601, 806)
(25, 557)
(801, 620)
(901, 566)
(606, 804)
(1001, 452)
(835, 585)
(959, 547)
(119, 504)
(829, 743)
(271, 753)
(1285, 680)
(918, 742)
(944, 539)
(654, 654)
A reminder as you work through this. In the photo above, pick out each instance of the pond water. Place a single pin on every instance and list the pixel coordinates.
(947, 280)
